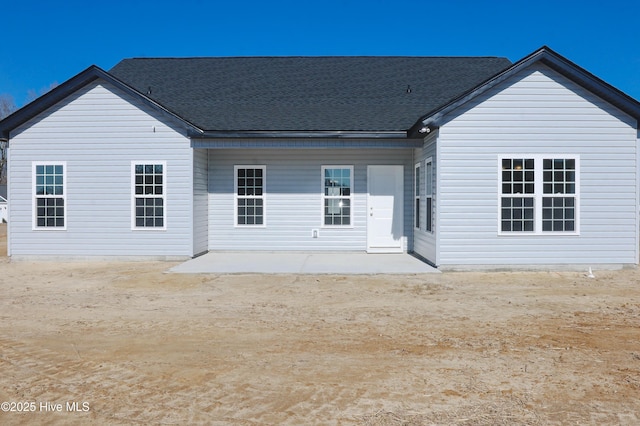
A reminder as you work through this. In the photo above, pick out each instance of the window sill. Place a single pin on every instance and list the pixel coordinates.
(538, 234)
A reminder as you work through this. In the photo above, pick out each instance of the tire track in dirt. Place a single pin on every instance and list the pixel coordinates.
(41, 375)
(131, 393)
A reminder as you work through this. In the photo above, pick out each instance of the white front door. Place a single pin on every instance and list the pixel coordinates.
(385, 210)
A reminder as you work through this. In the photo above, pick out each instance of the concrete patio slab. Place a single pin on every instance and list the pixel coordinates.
(304, 263)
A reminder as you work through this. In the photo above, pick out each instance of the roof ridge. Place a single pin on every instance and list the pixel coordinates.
(317, 57)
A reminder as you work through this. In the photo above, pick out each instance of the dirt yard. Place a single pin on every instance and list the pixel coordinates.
(128, 343)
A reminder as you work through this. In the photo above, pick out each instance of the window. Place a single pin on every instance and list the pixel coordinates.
(518, 194)
(539, 194)
(250, 184)
(429, 194)
(149, 195)
(49, 195)
(417, 196)
(337, 185)
(558, 201)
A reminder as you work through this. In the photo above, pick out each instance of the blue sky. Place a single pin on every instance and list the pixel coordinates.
(47, 42)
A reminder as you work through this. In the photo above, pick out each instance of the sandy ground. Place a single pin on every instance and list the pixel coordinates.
(127, 343)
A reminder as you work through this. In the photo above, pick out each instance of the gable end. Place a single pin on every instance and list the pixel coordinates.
(553, 60)
(59, 93)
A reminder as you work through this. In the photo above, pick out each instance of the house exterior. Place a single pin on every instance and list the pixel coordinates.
(465, 162)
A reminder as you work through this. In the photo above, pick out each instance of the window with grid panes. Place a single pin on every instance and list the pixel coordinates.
(429, 194)
(50, 195)
(518, 195)
(149, 195)
(250, 184)
(539, 194)
(337, 191)
(558, 201)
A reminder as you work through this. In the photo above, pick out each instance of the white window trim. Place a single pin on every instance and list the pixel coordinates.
(263, 196)
(417, 195)
(134, 196)
(323, 197)
(539, 195)
(428, 187)
(34, 196)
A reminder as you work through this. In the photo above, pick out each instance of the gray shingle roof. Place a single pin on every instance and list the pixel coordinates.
(305, 93)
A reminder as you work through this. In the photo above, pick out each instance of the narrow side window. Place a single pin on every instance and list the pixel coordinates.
(429, 195)
(416, 202)
(249, 195)
(149, 195)
(337, 195)
(49, 189)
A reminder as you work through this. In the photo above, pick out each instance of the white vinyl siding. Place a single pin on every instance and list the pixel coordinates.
(425, 239)
(200, 201)
(294, 192)
(97, 132)
(537, 112)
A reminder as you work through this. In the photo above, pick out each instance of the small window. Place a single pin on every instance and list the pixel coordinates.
(416, 197)
(429, 194)
(49, 195)
(149, 195)
(249, 195)
(337, 189)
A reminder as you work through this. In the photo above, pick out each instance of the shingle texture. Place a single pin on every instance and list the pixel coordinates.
(305, 93)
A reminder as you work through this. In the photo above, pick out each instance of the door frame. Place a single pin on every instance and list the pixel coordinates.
(398, 196)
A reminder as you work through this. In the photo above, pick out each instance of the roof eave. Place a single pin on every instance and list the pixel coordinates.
(553, 60)
(70, 86)
(302, 134)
